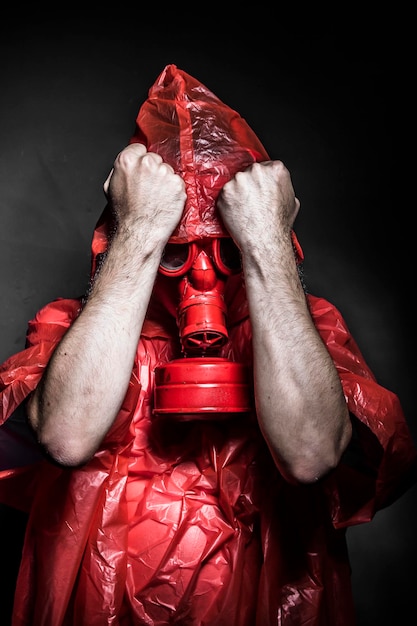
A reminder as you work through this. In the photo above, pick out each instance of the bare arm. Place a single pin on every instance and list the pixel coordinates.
(299, 401)
(88, 375)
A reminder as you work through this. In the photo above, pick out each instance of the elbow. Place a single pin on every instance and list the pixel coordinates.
(66, 446)
(62, 448)
(309, 471)
(70, 453)
(305, 468)
(313, 462)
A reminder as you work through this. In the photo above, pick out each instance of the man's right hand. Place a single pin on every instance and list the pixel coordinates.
(145, 193)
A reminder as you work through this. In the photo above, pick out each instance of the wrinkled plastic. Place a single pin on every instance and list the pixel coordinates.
(191, 523)
(202, 139)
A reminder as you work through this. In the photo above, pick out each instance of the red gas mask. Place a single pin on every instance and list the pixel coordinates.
(201, 384)
(202, 267)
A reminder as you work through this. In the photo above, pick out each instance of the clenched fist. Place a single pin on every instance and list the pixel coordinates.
(144, 192)
(259, 204)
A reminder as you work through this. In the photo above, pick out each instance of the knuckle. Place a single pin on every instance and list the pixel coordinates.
(124, 158)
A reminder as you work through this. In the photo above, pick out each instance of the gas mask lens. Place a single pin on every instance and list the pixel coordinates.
(178, 258)
(227, 256)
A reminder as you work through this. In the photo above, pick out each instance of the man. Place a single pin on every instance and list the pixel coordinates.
(209, 430)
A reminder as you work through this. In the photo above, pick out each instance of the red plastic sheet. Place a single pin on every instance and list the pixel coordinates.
(191, 523)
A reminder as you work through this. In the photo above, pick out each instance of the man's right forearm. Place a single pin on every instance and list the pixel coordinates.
(89, 372)
(88, 375)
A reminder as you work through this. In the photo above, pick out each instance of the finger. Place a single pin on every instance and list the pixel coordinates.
(107, 182)
(137, 148)
(152, 157)
(168, 168)
(133, 151)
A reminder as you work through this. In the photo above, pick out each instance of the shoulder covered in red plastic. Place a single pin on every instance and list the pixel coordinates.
(21, 372)
(381, 461)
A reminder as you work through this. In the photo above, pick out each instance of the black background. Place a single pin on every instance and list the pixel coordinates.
(328, 97)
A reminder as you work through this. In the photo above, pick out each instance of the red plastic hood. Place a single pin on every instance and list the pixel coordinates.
(204, 140)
